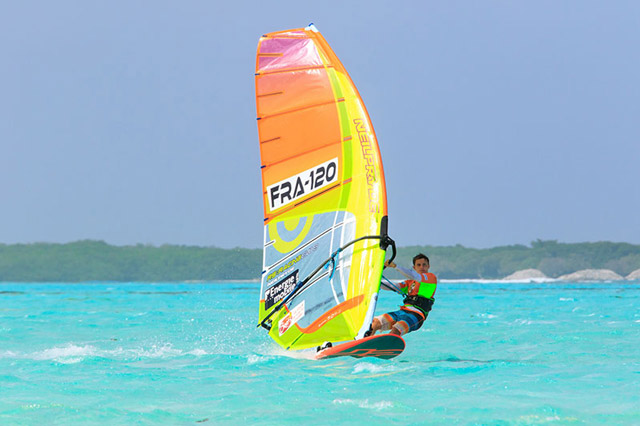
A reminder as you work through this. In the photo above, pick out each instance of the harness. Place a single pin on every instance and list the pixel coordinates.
(419, 302)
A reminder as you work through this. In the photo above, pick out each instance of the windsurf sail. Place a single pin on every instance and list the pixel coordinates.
(325, 207)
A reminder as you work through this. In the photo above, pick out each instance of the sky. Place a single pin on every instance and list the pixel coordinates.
(133, 122)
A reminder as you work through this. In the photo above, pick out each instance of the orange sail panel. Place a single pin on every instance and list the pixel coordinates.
(323, 187)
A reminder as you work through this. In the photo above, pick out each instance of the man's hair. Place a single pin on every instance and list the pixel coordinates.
(420, 256)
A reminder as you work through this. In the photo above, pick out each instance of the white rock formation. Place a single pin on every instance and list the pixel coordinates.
(635, 275)
(526, 274)
(592, 275)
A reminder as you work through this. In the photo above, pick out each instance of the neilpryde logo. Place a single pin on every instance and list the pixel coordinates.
(291, 189)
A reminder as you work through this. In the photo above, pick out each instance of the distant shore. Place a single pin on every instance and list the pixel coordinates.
(97, 261)
(600, 275)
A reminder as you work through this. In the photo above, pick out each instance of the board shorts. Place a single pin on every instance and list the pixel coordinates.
(406, 320)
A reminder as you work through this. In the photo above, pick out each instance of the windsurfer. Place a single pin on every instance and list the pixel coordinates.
(419, 289)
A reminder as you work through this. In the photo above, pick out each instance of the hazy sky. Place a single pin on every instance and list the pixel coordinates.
(499, 122)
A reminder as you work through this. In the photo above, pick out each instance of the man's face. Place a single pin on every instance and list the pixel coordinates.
(421, 266)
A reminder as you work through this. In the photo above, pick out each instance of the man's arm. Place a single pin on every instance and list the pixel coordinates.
(409, 273)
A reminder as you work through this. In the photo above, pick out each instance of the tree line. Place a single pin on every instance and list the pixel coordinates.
(551, 257)
(83, 261)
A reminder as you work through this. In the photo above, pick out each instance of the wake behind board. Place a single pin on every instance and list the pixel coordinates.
(385, 346)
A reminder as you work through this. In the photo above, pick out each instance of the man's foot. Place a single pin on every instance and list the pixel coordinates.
(324, 346)
(369, 332)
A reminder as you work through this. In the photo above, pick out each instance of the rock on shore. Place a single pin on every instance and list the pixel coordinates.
(526, 274)
(635, 275)
(592, 275)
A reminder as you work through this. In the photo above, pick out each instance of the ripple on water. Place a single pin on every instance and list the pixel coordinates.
(365, 403)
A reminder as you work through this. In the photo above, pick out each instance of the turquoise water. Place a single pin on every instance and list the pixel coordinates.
(190, 354)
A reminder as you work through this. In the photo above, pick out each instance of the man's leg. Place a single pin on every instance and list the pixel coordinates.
(382, 323)
(399, 328)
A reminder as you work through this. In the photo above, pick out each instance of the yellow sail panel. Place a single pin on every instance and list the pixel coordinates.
(323, 188)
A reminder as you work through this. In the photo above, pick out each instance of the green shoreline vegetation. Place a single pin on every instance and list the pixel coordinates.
(89, 260)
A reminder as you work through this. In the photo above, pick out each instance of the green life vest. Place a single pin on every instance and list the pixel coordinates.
(425, 289)
(420, 293)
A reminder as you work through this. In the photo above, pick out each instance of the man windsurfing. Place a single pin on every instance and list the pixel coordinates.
(419, 288)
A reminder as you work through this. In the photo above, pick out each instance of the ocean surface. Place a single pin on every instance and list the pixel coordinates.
(190, 354)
